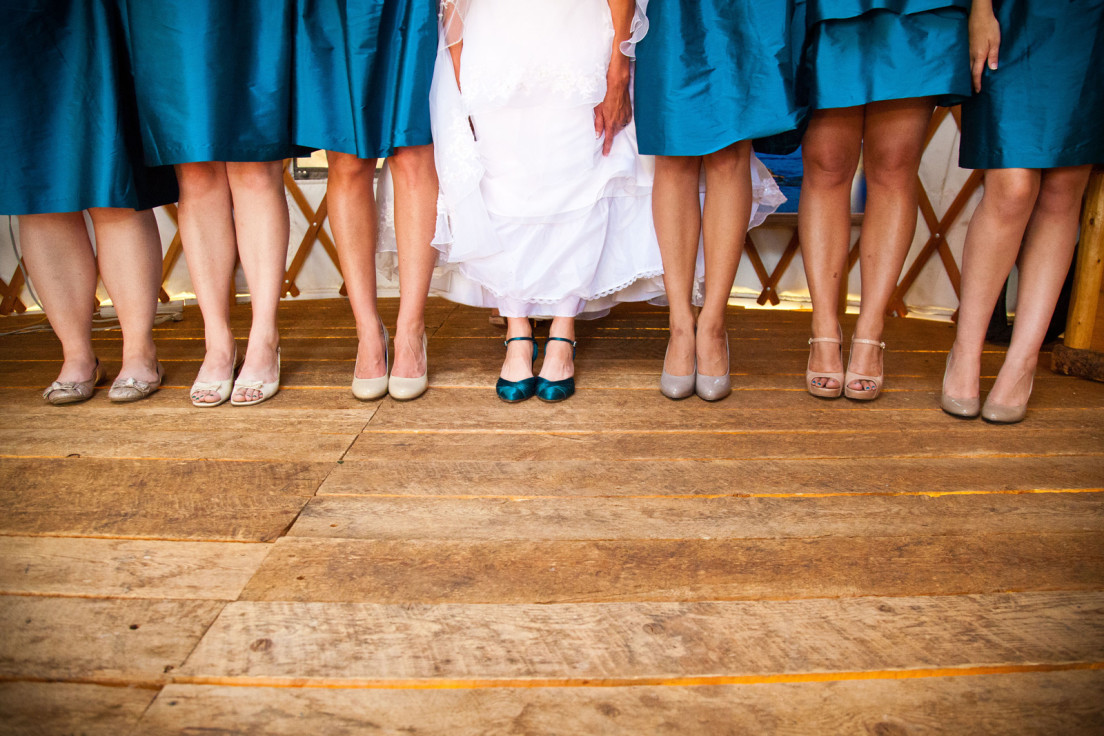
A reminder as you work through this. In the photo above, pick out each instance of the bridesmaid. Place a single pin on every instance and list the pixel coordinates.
(873, 78)
(213, 81)
(1035, 125)
(71, 143)
(361, 91)
(710, 76)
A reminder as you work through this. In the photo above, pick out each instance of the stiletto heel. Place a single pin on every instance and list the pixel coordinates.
(850, 377)
(405, 389)
(825, 392)
(369, 389)
(714, 388)
(553, 391)
(514, 391)
(1003, 414)
(961, 408)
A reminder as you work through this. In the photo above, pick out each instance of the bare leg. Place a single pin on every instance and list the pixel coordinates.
(724, 225)
(1044, 263)
(559, 362)
(676, 208)
(830, 153)
(992, 241)
(261, 223)
(59, 259)
(518, 364)
(352, 211)
(893, 143)
(129, 252)
(415, 177)
(211, 250)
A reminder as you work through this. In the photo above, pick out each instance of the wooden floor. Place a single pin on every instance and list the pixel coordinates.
(619, 563)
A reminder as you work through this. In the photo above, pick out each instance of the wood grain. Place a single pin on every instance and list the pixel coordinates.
(434, 571)
(42, 708)
(90, 640)
(521, 466)
(155, 499)
(1070, 703)
(696, 518)
(126, 569)
(361, 644)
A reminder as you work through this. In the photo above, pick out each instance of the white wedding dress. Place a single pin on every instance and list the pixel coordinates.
(532, 218)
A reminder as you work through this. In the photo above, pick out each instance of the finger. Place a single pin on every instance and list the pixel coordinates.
(611, 132)
(994, 53)
(599, 122)
(977, 64)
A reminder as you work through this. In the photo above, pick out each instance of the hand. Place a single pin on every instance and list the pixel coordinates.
(985, 37)
(615, 111)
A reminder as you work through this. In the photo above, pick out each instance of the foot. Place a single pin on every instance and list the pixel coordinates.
(518, 364)
(371, 360)
(141, 368)
(866, 360)
(259, 365)
(712, 349)
(559, 359)
(963, 375)
(410, 360)
(218, 365)
(824, 357)
(1013, 384)
(679, 359)
(77, 370)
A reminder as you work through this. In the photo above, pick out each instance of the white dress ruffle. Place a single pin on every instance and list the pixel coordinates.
(532, 218)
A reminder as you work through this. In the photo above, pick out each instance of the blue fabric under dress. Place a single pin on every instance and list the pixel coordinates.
(1044, 104)
(362, 73)
(710, 73)
(70, 135)
(213, 79)
(861, 51)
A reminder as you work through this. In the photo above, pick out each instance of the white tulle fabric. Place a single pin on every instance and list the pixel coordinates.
(532, 218)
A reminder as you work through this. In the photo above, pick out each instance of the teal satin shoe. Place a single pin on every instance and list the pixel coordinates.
(515, 391)
(553, 391)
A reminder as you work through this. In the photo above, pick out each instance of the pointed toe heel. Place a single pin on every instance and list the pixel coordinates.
(405, 389)
(370, 389)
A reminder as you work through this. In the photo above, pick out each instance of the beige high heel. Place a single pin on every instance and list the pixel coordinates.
(825, 392)
(369, 389)
(850, 377)
(961, 408)
(1003, 414)
(405, 389)
(219, 388)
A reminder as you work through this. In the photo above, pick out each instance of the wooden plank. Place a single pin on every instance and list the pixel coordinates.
(462, 409)
(276, 446)
(357, 644)
(160, 499)
(527, 468)
(126, 569)
(1068, 703)
(518, 571)
(738, 445)
(696, 518)
(65, 708)
(137, 642)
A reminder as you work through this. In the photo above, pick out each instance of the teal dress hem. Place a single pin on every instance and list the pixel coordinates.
(362, 74)
(895, 51)
(710, 73)
(1043, 105)
(70, 136)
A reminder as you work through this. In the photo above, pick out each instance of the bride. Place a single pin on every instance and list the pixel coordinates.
(545, 204)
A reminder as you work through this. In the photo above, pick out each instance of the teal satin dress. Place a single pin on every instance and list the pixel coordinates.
(861, 51)
(362, 73)
(1044, 105)
(70, 135)
(710, 73)
(213, 78)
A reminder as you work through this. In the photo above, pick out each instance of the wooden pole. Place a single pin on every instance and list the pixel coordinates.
(1089, 268)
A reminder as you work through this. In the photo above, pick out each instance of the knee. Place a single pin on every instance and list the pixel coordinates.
(199, 179)
(413, 166)
(678, 168)
(255, 176)
(346, 167)
(1060, 195)
(728, 162)
(828, 166)
(1012, 192)
(891, 166)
